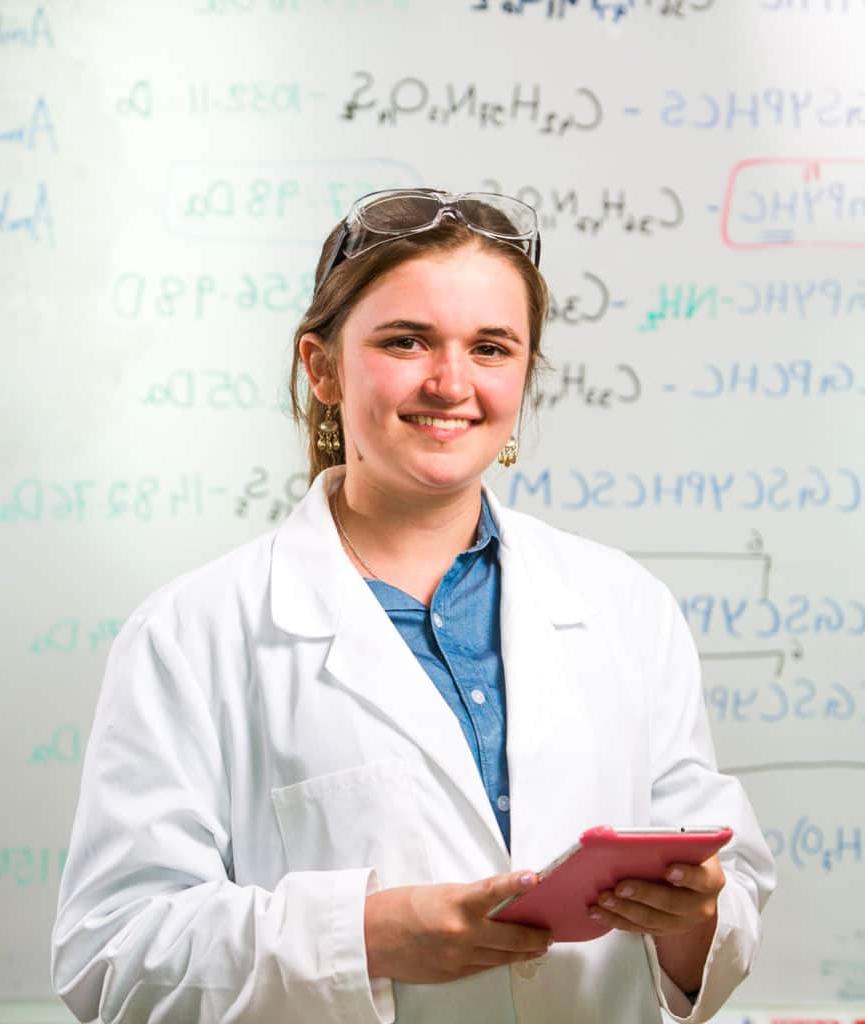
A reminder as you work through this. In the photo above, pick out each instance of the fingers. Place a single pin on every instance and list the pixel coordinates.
(688, 901)
(503, 936)
(640, 920)
(675, 902)
(488, 893)
(707, 877)
(497, 957)
(501, 961)
(634, 916)
(434, 933)
(514, 938)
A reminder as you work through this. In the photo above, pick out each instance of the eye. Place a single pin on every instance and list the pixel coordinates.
(490, 349)
(403, 344)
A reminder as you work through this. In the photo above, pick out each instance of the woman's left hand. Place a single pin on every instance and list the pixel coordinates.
(688, 901)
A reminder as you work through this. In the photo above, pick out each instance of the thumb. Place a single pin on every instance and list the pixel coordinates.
(490, 892)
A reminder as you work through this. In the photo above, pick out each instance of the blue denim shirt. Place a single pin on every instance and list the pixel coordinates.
(457, 641)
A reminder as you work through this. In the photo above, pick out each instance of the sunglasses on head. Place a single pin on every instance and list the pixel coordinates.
(381, 217)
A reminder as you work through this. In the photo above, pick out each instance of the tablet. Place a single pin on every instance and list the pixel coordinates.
(600, 860)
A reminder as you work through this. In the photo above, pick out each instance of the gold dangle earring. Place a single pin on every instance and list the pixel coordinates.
(508, 454)
(328, 433)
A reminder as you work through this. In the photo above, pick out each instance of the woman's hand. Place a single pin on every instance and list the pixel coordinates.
(435, 933)
(680, 916)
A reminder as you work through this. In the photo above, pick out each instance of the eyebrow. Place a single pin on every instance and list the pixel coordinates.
(422, 328)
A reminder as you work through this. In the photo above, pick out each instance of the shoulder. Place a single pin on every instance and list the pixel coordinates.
(226, 591)
(576, 560)
(609, 587)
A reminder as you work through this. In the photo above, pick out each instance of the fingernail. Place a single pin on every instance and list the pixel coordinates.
(676, 875)
(527, 878)
(626, 891)
(607, 901)
(594, 915)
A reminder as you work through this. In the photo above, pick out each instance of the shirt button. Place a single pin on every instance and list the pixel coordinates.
(438, 621)
(503, 803)
(478, 697)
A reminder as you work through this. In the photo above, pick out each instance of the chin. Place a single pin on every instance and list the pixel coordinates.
(448, 478)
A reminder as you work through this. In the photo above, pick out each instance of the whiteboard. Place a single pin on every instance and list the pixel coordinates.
(167, 172)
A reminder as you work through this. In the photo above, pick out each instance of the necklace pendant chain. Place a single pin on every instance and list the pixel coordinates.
(341, 530)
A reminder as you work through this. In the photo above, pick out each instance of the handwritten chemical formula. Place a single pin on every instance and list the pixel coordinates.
(449, 103)
(602, 10)
(609, 209)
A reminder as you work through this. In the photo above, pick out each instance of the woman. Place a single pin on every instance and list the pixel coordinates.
(316, 762)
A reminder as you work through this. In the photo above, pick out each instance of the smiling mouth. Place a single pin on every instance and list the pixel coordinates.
(439, 423)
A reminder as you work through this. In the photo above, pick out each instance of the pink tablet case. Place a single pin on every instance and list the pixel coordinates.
(602, 858)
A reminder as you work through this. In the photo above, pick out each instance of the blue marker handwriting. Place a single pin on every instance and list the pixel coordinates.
(808, 298)
(805, 844)
(63, 747)
(792, 378)
(70, 636)
(764, 618)
(27, 218)
(142, 500)
(28, 33)
(31, 865)
(136, 296)
(35, 131)
(216, 390)
(147, 499)
(774, 489)
(775, 701)
(757, 110)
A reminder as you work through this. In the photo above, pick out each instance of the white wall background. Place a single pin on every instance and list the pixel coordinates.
(167, 171)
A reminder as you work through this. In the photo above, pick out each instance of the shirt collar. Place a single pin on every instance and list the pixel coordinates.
(393, 599)
(313, 584)
(487, 529)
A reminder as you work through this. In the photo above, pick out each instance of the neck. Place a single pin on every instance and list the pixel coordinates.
(407, 540)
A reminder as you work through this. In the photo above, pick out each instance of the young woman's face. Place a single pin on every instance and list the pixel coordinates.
(432, 369)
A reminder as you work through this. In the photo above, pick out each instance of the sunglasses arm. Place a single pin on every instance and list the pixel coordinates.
(335, 255)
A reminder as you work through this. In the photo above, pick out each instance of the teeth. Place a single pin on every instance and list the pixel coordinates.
(434, 421)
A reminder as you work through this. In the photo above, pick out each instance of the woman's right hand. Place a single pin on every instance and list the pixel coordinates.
(434, 933)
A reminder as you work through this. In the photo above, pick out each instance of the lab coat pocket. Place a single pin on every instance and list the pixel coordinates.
(369, 816)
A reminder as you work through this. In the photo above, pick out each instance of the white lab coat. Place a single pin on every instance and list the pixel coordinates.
(267, 750)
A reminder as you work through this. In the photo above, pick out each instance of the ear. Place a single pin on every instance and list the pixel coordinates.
(320, 368)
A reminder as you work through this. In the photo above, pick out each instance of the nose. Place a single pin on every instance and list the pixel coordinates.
(450, 380)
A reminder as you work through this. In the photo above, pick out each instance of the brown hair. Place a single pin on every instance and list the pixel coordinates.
(336, 296)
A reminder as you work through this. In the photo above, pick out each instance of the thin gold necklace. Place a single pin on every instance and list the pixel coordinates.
(341, 530)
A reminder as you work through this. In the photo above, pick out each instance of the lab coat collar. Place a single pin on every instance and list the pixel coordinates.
(564, 599)
(317, 593)
(312, 577)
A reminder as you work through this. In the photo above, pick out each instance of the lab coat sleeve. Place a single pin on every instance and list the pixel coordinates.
(688, 790)
(150, 925)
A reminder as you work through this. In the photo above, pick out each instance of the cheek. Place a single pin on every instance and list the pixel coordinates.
(374, 390)
(505, 393)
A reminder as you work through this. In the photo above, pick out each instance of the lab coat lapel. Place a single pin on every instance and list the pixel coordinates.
(316, 592)
(546, 704)
(370, 658)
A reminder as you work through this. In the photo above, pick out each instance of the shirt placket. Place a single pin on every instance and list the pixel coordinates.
(481, 707)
